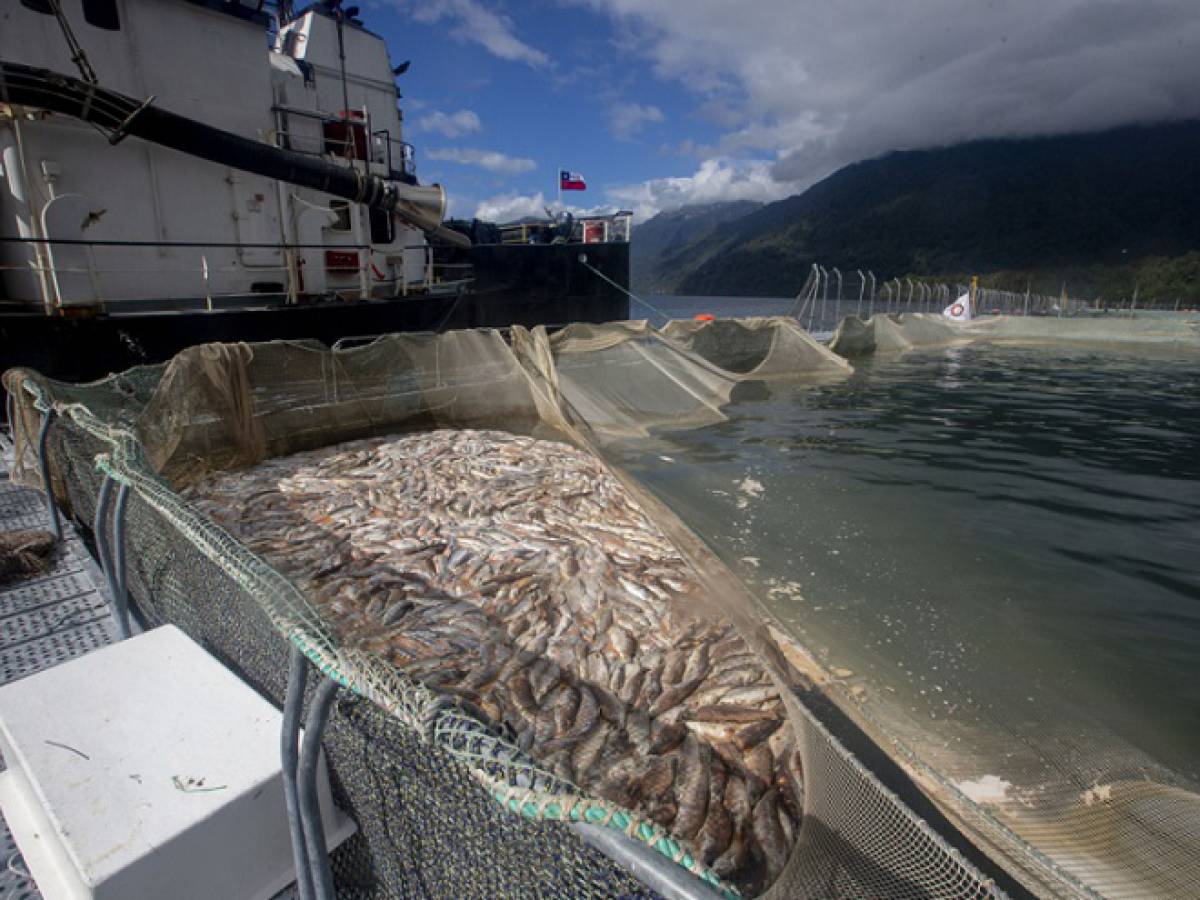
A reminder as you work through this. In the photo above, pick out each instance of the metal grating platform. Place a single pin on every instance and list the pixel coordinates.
(44, 620)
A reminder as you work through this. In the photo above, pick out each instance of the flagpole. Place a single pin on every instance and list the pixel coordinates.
(560, 171)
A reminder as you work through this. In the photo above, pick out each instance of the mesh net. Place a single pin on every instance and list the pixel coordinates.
(447, 802)
(884, 333)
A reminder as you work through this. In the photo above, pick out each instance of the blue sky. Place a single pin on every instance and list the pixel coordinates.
(660, 103)
(590, 107)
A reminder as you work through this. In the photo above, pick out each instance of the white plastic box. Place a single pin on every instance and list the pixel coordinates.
(147, 769)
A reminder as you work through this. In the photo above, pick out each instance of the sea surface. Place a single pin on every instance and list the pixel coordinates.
(994, 549)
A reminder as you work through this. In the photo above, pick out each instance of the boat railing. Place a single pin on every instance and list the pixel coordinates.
(346, 138)
(598, 229)
(74, 274)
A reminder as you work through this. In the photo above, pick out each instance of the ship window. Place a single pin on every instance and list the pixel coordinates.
(42, 6)
(342, 209)
(382, 231)
(102, 14)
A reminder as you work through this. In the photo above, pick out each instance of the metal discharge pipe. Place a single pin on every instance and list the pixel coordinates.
(424, 207)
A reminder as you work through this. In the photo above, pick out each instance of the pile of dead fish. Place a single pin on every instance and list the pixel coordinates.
(519, 575)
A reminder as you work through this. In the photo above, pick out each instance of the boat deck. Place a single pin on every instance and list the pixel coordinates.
(44, 620)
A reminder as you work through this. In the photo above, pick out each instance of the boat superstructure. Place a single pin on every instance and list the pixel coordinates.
(63, 179)
(185, 156)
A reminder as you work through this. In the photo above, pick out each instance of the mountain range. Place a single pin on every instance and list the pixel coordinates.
(1103, 212)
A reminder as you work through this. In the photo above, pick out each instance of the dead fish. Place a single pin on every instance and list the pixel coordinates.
(566, 704)
(610, 707)
(657, 778)
(637, 726)
(631, 685)
(588, 749)
(585, 715)
(522, 695)
(760, 762)
(676, 663)
(544, 675)
(621, 642)
(789, 782)
(727, 712)
(751, 696)
(770, 836)
(697, 665)
(752, 735)
(666, 736)
(673, 696)
(691, 787)
(734, 858)
(717, 832)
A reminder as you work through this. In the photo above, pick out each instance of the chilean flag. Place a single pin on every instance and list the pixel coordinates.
(571, 181)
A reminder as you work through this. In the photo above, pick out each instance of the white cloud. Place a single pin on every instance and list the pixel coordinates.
(715, 181)
(824, 83)
(627, 119)
(475, 23)
(491, 160)
(512, 206)
(451, 125)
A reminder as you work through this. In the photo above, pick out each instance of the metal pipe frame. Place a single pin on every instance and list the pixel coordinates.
(104, 551)
(650, 867)
(121, 594)
(289, 753)
(44, 464)
(306, 789)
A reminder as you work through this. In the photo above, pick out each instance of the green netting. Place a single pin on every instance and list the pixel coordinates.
(447, 802)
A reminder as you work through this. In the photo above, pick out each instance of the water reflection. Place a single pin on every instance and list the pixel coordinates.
(996, 545)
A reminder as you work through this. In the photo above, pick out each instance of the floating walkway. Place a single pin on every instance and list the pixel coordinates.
(44, 620)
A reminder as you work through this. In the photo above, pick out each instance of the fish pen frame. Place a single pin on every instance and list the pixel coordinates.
(44, 465)
(112, 556)
(299, 763)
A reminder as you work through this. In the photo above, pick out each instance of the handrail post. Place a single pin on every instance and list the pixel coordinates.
(44, 464)
(207, 286)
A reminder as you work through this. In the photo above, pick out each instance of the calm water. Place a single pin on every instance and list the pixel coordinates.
(995, 548)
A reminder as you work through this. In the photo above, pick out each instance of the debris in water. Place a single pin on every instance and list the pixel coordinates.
(988, 789)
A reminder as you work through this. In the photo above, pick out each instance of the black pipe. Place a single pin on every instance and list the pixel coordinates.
(122, 115)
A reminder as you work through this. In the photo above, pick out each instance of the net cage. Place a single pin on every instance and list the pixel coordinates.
(900, 332)
(447, 803)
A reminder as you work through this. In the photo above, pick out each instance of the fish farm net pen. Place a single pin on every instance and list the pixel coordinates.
(453, 796)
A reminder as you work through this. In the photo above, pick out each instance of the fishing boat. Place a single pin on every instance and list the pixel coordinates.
(204, 170)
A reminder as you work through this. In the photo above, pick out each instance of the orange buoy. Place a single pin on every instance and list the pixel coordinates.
(704, 317)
